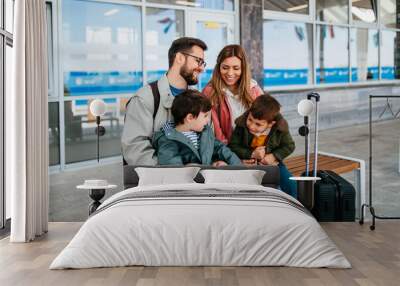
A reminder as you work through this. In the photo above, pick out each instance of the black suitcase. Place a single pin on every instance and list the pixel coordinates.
(334, 198)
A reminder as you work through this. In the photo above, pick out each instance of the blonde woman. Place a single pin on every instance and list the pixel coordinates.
(231, 90)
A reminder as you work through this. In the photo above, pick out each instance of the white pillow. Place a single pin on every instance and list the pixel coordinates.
(248, 177)
(166, 176)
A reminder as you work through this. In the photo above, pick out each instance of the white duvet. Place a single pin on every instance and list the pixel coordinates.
(219, 231)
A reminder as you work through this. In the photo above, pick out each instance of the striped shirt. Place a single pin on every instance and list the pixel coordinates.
(167, 126)
(193, 137)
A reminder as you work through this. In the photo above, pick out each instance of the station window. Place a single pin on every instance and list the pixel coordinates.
(390, 55)
(332, 54)
(364, 54)
(163, 26)
(344, 51)
(332, 11)
(299, 7)
(101, 56)
(389, 10)
(208, 4)
(364, 11)
(287, 53)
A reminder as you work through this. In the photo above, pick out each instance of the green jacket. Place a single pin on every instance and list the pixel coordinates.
(173, 148)
(279, 142)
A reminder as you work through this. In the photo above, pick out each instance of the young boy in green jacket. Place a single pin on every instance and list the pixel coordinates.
(191, 140)
(262, 137)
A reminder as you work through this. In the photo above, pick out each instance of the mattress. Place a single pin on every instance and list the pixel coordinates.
(201, 225)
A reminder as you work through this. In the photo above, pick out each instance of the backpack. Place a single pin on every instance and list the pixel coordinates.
(156, 96)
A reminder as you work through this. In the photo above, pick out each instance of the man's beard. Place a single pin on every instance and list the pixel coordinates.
(188, 76)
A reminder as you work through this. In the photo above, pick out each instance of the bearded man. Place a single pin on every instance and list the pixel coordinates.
(150, 108)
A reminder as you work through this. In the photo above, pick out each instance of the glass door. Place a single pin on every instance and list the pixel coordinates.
(216, 30)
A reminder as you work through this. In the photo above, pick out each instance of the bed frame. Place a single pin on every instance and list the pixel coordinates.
(270, 179)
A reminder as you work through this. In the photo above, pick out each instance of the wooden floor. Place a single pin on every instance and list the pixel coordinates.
(374, 255)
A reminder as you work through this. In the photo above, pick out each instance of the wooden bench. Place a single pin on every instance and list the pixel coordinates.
(336, 163)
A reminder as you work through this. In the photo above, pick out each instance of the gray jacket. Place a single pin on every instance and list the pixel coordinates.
(139, 126)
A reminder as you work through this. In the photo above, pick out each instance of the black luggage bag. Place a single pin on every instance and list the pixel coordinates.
(334, 198)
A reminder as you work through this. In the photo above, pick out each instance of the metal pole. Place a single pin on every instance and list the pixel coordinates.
(370, 151)
(316, 96)
(316, 140)
(307, 146)
(98, 151)
(98, 138)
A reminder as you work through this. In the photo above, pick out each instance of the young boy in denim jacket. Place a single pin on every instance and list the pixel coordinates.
(262, 136)
(190, 139)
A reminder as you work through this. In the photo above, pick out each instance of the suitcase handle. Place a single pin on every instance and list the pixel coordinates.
(323, 175)
(332, 176)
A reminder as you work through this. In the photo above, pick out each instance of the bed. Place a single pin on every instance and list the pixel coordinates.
(201, 224)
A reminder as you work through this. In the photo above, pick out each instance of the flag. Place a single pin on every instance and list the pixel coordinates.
(299, 32)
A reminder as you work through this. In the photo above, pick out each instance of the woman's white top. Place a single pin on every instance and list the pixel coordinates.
(237, 107)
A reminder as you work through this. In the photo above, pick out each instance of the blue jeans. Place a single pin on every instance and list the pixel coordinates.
(287, 185)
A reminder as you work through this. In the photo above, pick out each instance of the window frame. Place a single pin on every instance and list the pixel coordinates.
(352, 24)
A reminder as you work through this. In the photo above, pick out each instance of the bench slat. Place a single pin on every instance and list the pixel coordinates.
(296, 165)
(301, 158)
(329, 164)
(323, 160)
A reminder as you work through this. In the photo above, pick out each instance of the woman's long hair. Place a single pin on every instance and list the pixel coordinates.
(217, 83)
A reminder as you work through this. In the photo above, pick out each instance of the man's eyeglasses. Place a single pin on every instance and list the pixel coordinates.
(199, 61)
